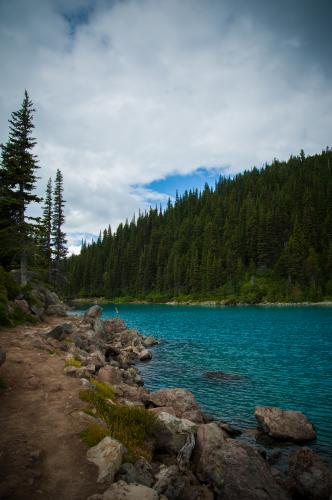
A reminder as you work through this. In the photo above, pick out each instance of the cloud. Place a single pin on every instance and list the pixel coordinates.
(131, 92)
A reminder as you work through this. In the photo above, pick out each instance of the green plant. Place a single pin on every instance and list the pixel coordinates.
(73, 362)
(93, 434)
(105, 390)
(131, 425)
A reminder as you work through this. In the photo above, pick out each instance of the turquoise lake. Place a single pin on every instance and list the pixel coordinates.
(283, 355)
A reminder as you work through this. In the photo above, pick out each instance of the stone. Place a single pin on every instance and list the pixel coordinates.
(163, 409)
(140, 472)
(107, 456)
(170, 482)
(309, 476)
(93, 312)
(172, 433)
(2, 356)
(223, 375)
(229, 429)
(183, 402)
(59, 332)
(110, 375)
(233, 470)
(56, 310)
(98, 328)
(123, 491)
(145, 355)
(70, 370)
(284, 424)
(23, 305)
(114, 325)
(149, 341)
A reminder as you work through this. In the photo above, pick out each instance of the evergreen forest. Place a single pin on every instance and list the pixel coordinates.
(263, 235)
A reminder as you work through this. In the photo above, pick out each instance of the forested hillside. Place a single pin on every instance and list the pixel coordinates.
(263, 235)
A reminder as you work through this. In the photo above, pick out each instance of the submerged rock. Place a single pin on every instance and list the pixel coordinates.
(309, 476)
(284, 424)
(223, 375)
(107, 456)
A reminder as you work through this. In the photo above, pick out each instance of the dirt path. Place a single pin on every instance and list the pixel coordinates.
(41, 455)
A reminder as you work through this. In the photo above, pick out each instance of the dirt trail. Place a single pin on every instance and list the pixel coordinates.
(41, 454)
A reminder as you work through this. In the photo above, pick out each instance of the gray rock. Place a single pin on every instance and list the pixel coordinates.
(149, 341)
(140, 472)
(234, 470)
(59, 332)
(93, 312)
(114, 325)
(110, 375)
(170, 482)
(284, 425)
(123, 491)
(56, 310)
(183, 402)
(172, 433)
(98, 328)
(310, 477)
(107, 456)
(145, 355)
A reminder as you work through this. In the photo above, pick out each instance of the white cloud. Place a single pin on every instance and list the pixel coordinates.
(146, 88)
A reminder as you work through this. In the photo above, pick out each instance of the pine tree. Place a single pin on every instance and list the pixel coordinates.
(58, 236)
(17, 183)
(46, 227)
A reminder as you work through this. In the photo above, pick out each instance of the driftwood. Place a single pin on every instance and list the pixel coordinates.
(186, 451)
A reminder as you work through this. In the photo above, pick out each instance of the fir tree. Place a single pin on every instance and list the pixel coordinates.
(46, 227)
(58, 236)
(17, 183)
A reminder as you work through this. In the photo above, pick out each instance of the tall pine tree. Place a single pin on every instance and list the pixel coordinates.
(58, 236)
(17, 183)
(46, 227)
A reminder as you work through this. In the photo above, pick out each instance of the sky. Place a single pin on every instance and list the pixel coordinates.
(136, 99)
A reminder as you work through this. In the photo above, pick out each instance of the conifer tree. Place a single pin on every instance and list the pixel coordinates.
(17, 183)
(46, 227)
(58, 236)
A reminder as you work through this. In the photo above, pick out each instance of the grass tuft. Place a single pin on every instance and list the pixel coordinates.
(93, 434)
(103, 389)
(73, 362)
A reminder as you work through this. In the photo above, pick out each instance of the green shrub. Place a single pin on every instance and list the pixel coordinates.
(132, 426)
(105, 390)
(93, 434)
(73, 362)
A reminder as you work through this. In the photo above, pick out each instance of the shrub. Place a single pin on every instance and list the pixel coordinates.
(73, 362)
(132, 426)
(93, 434)
(105, 390)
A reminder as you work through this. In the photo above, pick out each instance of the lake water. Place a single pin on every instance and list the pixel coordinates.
(282, 354)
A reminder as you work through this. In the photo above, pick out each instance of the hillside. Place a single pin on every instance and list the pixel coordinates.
(264, 235)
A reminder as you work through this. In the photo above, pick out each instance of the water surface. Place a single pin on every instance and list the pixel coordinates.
(282, 354)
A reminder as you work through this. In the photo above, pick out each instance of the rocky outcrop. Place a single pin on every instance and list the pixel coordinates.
(309, 476)
(123, 491)
(183, 402)
(284, 425)
(107, 456)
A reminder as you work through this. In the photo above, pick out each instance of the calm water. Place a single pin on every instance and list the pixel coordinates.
(283, 354)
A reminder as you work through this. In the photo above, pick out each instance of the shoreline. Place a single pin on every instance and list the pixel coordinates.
(203, 303)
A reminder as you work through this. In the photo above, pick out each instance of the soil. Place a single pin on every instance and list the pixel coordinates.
(41, 454)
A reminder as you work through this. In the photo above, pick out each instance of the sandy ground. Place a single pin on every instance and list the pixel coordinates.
(41, 454)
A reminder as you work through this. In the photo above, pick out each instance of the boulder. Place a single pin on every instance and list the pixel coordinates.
(145, 355)
(170, 482)
(284, 425)
(23, 305)
(2, 356)
(123, 491)
(163, 409)
(309, 476)
(223, 375)
(98, 328)
(59, 332)
(56, 310)
(114, 325)
(132, 393)
(234, 470)
(172, 434)
(140, 472)
(183, 402)
(93, 312)
(110, 375)
(149, 341)
(107, 456)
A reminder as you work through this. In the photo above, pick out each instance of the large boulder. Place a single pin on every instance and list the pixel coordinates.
(114, 325)
(140, 472)
(107, 456)
(172, 433)
(93, 312)
(110, 375)
(284, 424)
(170, 482)
(60, 332)
(234, 470)
(123, 491)
(309, 476)
(183, 402)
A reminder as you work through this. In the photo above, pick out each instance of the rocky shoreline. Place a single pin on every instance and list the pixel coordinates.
(176, 451)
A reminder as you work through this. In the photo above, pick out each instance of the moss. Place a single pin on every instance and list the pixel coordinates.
(93, 434)
(132, 426)
(73, 362)
(105, 390)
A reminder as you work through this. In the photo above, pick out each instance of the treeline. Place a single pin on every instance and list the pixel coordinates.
(263, 235)
(28, 243)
